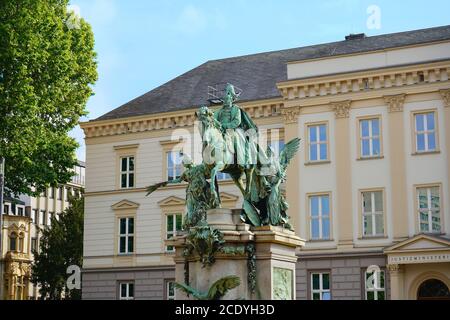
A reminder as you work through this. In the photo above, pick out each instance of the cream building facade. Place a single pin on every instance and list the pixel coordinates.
(23, 222)
(369, 190)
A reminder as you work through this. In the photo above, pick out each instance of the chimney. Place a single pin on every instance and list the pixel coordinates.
(355, 36)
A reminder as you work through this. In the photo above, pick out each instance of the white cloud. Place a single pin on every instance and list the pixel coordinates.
(98, 12)
(191, 20)
(220, 22)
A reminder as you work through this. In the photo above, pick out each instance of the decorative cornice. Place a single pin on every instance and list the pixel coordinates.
(446, 97)
(290, 115)
(365, 81)
(170, 120)
(341, 108)
(395, 103)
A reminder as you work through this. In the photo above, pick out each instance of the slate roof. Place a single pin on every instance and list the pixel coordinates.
(257, 74)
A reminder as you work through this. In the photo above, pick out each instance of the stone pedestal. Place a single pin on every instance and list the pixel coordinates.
(273, 255)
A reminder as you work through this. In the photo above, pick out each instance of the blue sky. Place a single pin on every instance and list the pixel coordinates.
(142, 44)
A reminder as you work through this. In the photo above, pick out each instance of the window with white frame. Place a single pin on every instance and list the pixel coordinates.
(320, 286)
(372, 213)
(126, 290)
(429, 209)
(127, 172)
(126, 235)
(318, 142)
(319, 207)
(425, 127)
(173, 224)
(68, 193)
(370, 137)
(174, 165)
(374, 284)
(34, 244)
(34, 216)
(50, 216)
(275, 139)
(20, 211)
(170, 290)
(42, 218)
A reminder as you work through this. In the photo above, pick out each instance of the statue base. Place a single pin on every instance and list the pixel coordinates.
(263, 258)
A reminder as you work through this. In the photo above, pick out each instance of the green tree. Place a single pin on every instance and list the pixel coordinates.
(47, 69)
(60, 246)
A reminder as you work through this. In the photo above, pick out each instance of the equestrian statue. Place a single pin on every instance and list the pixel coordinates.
(230, 145)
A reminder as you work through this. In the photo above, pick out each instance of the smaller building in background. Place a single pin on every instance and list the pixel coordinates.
(23, 221)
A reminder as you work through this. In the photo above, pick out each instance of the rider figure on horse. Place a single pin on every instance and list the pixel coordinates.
(238, 129)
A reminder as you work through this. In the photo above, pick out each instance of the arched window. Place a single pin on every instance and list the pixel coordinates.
(433, 289)
(21, 241)
(13, 241)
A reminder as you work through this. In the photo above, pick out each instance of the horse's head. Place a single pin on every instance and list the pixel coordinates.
(203, 113)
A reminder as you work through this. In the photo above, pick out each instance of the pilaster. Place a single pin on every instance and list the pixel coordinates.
(344, 210)
(291, 131)
(397, 164)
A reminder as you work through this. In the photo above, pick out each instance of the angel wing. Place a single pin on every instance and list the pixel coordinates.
(156, 186)
(190, 291)
(222, 286)
(289, 151)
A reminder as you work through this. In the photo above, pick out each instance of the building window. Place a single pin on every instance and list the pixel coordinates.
(127, 172)
(68, 194)
(318, 142)
(425, 132)
(13, 241)
(44, 193)
(42, 218)
(126, 291)
(428, 200)
(34, 216)
(21, 242)
(374, 284)
(33, 244)
(174, 165)
(370, 138)
(60, 191)
(170, 290)
(20, 211)
(126, 235)
(372, 213)
(50, 216)
(52, 193)
(319, 206)
(173, 224)
(320, 286)
(5, 209)
(275, 139)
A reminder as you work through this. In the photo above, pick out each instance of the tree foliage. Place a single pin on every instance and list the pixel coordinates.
(60, 246)
(47, 68)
